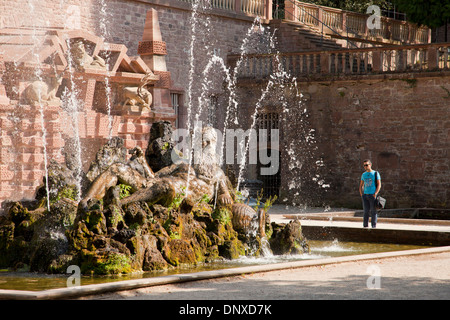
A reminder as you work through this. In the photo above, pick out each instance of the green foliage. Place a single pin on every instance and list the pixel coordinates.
(267, 204)
(432, 13)
(222, 214)
(205, 199)
(125, 191)
(114, 264)
(165, 146)
(176, 202)
(239, 198)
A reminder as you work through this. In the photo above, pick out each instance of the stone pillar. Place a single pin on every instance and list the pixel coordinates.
(153, 51)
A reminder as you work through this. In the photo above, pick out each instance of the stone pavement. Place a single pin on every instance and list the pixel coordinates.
(341, 217)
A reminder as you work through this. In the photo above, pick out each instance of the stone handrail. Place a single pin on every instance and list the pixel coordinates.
(355, 25)
(362, 61)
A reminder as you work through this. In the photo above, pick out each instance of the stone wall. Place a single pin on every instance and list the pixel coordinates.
(401, 122)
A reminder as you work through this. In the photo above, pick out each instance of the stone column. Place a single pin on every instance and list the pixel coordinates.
(153, 51)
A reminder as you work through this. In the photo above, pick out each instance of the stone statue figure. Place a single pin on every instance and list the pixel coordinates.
(43, 90)
(82, 60)
(205, 178)
(139, 95)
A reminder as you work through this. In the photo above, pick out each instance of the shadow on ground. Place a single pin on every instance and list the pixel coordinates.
(352, 287)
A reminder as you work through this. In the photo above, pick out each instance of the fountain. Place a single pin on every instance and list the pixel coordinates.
(133, 210)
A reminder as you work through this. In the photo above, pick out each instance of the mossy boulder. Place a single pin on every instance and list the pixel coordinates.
(232, 249)
(288, 239)
(49, 240)
(178, 252)
(104, 262)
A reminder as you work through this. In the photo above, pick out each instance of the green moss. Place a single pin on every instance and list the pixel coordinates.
(174, 225)
(125, 191)
(112, 263)
(232, 249)
(114, 215)
(222, 214)
(176, 202)
(116, 263)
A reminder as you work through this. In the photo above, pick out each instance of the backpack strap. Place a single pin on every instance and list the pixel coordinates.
(376, 174)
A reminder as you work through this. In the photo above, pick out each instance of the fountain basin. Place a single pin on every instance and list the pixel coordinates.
(85, 290)
(320, 251)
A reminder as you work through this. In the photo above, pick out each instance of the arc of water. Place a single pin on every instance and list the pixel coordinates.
(38, 74)
(264, 92)
(104, 33)
(193, 21)
(72, 110)
(231, 86)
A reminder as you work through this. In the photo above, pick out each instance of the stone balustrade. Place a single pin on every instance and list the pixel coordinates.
(355, 24)
(330, 21)
(406, 58)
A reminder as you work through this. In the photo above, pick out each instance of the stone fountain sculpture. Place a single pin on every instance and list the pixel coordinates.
(82, 60)
(145, 213)
(205, 179)
(139, 96)
(43, 90)
(132, 219)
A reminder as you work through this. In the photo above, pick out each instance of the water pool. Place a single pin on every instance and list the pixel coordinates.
(319, 250)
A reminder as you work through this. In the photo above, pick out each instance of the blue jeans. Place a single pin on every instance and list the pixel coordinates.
(369, 209)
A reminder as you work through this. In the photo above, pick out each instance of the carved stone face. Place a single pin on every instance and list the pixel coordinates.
(209, 137)
(208, 165)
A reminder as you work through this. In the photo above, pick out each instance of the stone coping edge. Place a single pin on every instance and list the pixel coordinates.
(93, 289)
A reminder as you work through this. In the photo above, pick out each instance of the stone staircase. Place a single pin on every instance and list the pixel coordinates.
(297, 37)
(309, 27)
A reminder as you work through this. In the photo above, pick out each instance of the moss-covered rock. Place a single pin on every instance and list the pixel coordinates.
(288, 239)
(178, 252)
(232, 249)
(104, 262)
(108, 238)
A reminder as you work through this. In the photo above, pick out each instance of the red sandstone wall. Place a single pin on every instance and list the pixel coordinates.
(403, 126)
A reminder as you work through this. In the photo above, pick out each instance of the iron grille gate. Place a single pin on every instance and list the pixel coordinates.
(271, 183)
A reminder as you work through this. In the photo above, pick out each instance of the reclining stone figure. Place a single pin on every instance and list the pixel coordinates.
(196, 181)
(205, 178)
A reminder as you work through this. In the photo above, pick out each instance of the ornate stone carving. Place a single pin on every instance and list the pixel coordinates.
(43, 90)
(139, 95)
(152, 47)
(82, 60)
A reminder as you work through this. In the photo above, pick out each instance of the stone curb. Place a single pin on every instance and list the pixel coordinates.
(93, 289)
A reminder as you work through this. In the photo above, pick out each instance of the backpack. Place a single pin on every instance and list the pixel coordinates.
(380, 202)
